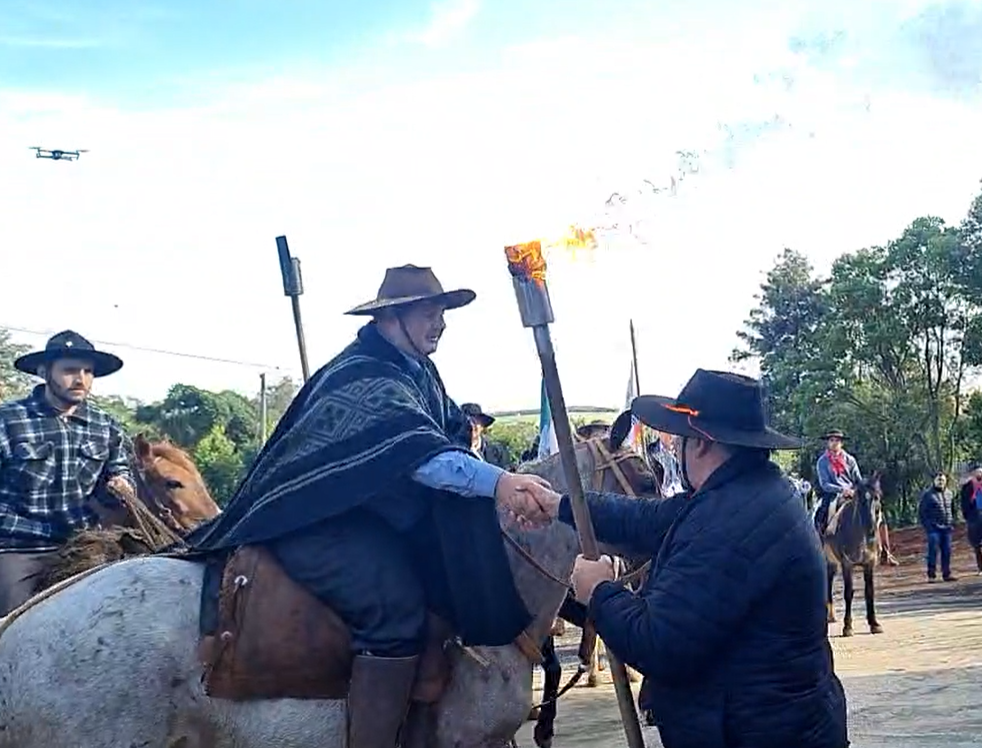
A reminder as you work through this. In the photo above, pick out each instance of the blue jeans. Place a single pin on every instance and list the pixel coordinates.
(939, 540)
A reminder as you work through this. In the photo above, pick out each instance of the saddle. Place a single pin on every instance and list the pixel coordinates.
(266, 637)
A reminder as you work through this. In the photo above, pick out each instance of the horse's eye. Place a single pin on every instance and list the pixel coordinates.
(173, 484)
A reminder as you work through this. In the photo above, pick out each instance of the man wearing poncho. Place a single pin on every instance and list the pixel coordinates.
(368, 495)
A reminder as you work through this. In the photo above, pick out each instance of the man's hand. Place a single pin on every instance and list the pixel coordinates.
(529, 498)
(121, 487)
(588, 574)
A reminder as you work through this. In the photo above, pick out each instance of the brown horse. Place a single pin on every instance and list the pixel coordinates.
(171, 499)
(852, 539)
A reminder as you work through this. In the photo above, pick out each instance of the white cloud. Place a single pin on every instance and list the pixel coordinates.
(163, 234)
(447, 20)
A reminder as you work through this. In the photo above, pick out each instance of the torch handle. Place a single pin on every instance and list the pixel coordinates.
(564, 438)
(581, 515)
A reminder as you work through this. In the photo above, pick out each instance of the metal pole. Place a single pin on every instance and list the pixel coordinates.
(262, 409)
(527, 266)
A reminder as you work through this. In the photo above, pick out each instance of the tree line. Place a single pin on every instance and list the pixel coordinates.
(887, 347)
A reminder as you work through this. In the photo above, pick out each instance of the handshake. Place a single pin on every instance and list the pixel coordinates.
(529, 499)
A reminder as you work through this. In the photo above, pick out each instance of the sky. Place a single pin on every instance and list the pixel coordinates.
(379, 133)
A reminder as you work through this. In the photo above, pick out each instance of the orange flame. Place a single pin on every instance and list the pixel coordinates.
(527, 261)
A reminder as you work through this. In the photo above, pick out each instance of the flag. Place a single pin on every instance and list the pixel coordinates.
(547, 431)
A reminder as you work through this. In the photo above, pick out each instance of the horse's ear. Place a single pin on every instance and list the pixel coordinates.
(619, 430)
(142, 446)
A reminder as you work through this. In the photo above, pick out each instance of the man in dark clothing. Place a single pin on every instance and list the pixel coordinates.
(730, 628)
(368, 496)
(934, 513)
(487, 449)
(61, 458)
(971, 506)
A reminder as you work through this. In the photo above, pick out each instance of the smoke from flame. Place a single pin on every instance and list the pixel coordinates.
(527, 259)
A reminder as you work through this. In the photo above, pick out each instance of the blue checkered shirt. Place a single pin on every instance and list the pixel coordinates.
(51, 466)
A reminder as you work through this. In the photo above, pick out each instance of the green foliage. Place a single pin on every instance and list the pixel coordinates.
(883, 348)
(220, 462)
(13, 383)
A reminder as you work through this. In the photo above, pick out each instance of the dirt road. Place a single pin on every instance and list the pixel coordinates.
(917, 685)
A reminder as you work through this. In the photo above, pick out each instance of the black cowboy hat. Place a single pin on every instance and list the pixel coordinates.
(473, 410)
(410, 284)
(715, 405)
(833, 434)
(69, 344)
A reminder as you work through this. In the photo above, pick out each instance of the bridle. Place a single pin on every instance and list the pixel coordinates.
(148, 496)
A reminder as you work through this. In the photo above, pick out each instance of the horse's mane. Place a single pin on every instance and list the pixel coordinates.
(173, 453)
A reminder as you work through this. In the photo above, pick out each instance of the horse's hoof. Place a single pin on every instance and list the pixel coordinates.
(847, 630)
(592, 681)
(534, 714)
(830, 613)
(875, 628)
(633, 676)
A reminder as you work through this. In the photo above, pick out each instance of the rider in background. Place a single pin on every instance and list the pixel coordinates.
(58, 453)
(838, 475)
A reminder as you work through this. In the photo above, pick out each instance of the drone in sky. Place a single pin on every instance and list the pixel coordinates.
(58, 155)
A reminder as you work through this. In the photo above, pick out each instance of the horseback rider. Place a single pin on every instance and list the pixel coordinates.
(368, 495)
(59, 453)
(838, 475)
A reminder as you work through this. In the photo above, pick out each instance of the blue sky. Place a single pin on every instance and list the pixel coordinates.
(377, 134)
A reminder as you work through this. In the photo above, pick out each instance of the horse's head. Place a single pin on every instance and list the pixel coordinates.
(169, 483)
(869, 505)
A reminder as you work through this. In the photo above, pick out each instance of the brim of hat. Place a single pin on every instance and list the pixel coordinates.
(823, 437)
(654, 411)
(449, 300)
(103, 364)
(484, 419)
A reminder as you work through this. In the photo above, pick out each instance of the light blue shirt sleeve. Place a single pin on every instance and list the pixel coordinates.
(461, 473)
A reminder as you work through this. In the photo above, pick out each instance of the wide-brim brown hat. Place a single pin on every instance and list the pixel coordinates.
(69, 344)
(410, 284)
(717, 406)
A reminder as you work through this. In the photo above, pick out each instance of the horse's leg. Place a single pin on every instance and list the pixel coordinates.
(419, 729)
(553, 672)
(847, 593)
(596, 665)
(874, 626)
(828, 599)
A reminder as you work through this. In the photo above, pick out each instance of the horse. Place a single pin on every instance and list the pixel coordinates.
(607, 476)
(171, 499)
(112, 659)
(851, 539)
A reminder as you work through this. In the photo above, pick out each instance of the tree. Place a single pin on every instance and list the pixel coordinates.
(278, 399)
(785, 333)
(220, 464)
(13, 383)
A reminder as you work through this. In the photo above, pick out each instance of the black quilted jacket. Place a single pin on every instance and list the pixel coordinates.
(730, 629)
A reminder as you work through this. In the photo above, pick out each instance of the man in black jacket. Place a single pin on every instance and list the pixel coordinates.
(730, 628)
(934, 513)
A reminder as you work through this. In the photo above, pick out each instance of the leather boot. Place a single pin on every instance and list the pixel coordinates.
(378, 699)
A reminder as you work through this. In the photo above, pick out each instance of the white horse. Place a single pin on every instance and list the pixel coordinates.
(111, 661)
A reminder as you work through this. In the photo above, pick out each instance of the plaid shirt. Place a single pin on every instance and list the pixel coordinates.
(50, 465)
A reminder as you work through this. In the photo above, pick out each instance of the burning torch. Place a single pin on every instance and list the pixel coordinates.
(528, 274)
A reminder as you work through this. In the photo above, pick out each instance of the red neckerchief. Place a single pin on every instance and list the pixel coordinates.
(837, 462)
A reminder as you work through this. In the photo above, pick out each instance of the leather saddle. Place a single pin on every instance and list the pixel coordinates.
(263, 636)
